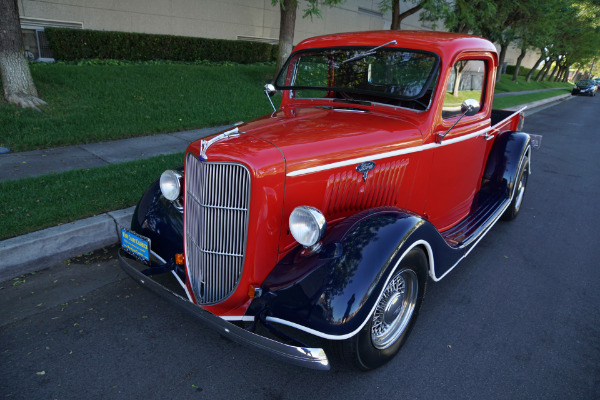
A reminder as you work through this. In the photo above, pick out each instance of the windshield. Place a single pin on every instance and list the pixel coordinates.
(585, 83)
(387, 75)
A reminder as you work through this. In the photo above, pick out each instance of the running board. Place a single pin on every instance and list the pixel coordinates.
(488, 206)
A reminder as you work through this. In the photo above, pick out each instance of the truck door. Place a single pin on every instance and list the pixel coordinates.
(459, 159)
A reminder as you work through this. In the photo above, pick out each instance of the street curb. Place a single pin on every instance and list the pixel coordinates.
(540, 103)
(27, 253)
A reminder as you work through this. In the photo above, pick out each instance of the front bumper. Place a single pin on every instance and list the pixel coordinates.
(313, 358)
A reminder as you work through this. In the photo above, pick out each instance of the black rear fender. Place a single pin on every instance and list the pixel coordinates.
(504, 160)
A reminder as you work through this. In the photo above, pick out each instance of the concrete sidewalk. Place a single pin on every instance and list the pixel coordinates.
(34, 251)
(60, 159)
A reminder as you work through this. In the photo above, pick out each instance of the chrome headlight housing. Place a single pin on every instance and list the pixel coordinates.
(307, 225)
(170, 184)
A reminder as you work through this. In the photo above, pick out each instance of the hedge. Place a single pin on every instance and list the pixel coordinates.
(510, 69)
(77, 44)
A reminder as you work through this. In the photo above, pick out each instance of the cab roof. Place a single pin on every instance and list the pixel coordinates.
(445, 44)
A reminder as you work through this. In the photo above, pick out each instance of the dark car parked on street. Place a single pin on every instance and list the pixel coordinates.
(586, 86)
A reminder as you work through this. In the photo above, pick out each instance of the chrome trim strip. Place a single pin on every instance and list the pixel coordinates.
(245, 318)
(387, 154)
(187, 293)
(510, 116)
(313, 358)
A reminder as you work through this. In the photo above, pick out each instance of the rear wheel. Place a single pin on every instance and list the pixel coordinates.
(393, 318)
(521, 184)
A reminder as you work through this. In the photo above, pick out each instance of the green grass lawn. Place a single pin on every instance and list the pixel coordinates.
(507, 85)
(510, 101)
(35, 203)
(94, 103)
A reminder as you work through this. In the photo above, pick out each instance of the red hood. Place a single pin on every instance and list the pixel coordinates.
(314, 136)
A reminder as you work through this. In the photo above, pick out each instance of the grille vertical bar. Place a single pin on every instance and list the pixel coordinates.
(217, 201)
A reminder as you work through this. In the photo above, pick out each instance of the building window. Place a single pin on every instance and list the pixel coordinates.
(36, 45)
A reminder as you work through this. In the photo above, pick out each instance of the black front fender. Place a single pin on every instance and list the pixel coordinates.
(159, 220)
(332, 293)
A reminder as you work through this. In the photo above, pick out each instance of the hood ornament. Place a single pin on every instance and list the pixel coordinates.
(364, 169)
(205, 144)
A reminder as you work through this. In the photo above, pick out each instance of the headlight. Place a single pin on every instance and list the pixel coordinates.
(307, 225)
(170, 184)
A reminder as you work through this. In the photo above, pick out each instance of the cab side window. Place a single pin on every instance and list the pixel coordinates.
(467, 81)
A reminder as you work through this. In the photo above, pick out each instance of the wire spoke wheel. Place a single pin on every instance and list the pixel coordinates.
(395, 309)
(393, 315)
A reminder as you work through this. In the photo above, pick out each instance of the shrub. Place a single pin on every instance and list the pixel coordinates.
(77, 44)
(510, 69)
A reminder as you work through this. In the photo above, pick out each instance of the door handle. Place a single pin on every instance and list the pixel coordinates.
(488, 135)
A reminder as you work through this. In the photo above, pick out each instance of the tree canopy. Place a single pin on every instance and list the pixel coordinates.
(566, 33)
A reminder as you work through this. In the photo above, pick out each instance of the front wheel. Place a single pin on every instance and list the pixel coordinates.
(393, 318)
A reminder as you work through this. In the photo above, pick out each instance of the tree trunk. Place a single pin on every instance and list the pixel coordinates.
(395, 15)
(545, 74)
(575, 74)
(501, 57)
(287, 25)
(537, 64)
(518, 66)
(459, 67)
(561, 73)
(566, 77)
(397, 18)
(544, 70)
(18, 84)
(554, 71)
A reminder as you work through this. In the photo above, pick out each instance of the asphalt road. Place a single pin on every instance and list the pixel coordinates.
(518, 319)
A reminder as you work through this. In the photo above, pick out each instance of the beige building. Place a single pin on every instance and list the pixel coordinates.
(256, 20)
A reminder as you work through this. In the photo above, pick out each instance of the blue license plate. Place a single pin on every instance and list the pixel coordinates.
(136, 245)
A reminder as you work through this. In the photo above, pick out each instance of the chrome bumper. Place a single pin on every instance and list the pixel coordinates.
(313, 358)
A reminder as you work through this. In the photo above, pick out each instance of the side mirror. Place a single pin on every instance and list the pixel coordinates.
(470, 107)
(270, 89)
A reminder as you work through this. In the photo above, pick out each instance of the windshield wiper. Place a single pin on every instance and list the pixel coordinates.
(352, 101)
(368, 52)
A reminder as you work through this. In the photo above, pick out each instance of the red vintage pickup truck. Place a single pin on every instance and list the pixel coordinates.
(325, 220)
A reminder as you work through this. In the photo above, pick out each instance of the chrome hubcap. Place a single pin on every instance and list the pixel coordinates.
(521, 190)
(395, 309)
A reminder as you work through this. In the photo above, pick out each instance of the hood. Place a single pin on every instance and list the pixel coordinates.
(313, 136)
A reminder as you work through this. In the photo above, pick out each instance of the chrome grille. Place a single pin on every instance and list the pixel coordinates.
(217, 200)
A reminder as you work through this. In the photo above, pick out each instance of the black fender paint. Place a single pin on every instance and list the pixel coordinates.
(335, 290)
(502, 167)
(159, 220)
